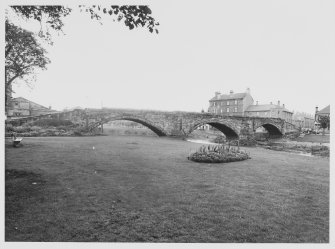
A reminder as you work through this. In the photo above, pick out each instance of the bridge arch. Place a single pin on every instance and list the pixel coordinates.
(229, 130)
(272, 129)
(154, 127)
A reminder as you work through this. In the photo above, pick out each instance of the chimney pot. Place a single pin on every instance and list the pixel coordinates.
(248, 90)
(316, 109)
(231, 92)
(256, 102)
(278, 102)
(217, 94)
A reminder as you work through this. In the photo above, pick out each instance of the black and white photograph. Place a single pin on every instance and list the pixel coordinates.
(141, 123)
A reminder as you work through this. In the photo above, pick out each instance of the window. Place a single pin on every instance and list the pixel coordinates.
(235, 101)
(16, 104)
(227, 109)
(266, 113)
(257, 113)
(235, 109)
(227, 102)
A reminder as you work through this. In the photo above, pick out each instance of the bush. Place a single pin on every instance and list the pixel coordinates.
(9, 128)
(21, 129)
(247, 142)
(219, 139)
(35, 128)
(52, 122)
(320, 150)
(78, 132)
(218, 154)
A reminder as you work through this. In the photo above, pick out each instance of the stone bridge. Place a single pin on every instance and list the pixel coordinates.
(174, 124)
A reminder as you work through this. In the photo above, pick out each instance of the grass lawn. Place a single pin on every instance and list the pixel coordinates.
(123, 188)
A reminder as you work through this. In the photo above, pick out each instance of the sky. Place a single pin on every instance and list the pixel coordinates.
(282, 50)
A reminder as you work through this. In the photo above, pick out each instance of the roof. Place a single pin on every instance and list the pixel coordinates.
(229, 96)
(325, 110)
(268, 107)
(26, 100)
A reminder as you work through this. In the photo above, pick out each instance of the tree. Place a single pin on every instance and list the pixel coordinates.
(23, 56)
(324, 123)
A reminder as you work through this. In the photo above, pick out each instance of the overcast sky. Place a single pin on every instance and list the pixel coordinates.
(283, 50)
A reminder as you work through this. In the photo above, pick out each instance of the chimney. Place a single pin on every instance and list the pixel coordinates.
(256, 102)
(278, 102)
(217, 94)
(49, 107)
(270, 103)
(316, 109)
(283, 105)
(231, 92)
(248, 90)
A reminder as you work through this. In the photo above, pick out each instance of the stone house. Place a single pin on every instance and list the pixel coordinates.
(303, 120)
(21, 107)
(269, 111)
(232, 104)
(241, 104)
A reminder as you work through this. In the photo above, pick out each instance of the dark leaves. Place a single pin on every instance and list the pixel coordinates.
(131, 15)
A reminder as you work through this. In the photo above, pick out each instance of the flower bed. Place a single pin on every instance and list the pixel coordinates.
(218, 154)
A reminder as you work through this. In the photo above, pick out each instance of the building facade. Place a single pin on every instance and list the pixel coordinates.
(269, 111)
(242, 104)
(232, 104)
(303, 120)
(21, 107)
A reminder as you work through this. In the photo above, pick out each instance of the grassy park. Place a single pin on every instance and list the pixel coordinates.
(143, 189)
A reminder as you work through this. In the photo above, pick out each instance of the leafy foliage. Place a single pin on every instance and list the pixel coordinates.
(324, 121)
(132, 15)
(52, 122)
(53, 14)
(23, 55)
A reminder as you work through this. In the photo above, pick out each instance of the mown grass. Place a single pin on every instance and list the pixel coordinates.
(121, 188)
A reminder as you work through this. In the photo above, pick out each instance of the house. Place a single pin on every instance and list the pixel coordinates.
(232, 104)
(303, 120)
(269, 111)
(324, 112)
(21, 107)
(241, 104)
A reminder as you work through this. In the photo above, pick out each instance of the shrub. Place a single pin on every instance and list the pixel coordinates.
(78, 132)
(320, 151)
(52, 122)
(218, 154)
(244, 142)
(21, 129)
(219, 139)
(35, 128)
(9, 128)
